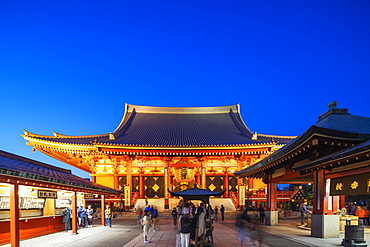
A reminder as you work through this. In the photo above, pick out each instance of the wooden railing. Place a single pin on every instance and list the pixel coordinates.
(135, 197)
(234, 198)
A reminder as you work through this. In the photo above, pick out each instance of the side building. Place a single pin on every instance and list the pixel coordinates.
(154, 149)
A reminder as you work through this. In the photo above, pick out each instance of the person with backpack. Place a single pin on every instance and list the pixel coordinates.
(145, 222)
(185, 226)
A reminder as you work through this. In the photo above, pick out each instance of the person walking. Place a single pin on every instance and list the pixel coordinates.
(216, 213)
(241, 224)
(155, 217)
(66, 218)
(145, 222)
(108, 216)
(304, 212)
(139, 215)
(261, 212)
(90, 215)
(222, 210)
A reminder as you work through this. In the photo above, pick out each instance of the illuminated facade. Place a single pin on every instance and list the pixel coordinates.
(155, 148)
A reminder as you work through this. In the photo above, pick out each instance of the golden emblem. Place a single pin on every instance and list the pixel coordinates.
(354, 185)
(339, 186)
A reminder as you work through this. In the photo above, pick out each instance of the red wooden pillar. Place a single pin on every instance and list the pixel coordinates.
(226, 184)
(323, 203)
(271, 197)
(116, 181)
(102, 214)
(74, 212)
(342, 200)
(14, 216)
(170, 186)
(141, 185)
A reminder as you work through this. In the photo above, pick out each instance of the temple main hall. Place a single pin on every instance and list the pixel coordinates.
(156, 149)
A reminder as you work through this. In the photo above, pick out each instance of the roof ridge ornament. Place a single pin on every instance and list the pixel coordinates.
(111, 136)
(255, 136)
(333, 110)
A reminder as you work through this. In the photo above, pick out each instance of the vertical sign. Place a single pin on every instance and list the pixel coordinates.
(241, 195)
(127, 196)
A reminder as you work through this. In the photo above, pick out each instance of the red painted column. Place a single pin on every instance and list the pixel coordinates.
(226, 184)
(14, 216)
(74, 212)
(323, 203)
(102, 214)
(141, 185)
(271, 197)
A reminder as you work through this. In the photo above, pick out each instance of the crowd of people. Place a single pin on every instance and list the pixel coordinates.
(186, 218)
(363, 212)
(85, 216)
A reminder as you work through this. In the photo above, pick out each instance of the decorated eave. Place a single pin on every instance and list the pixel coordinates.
(168, 131)
(24, 171)
(312, 137)
(358, 154)
(336, 128)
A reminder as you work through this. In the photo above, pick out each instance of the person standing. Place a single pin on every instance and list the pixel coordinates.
(66, 218)
(108, 216)
(261, 212)
(185, 226)
(145, 222)
(82, 215)
(222, 210)
(155, 216)
(90, 215)
(174, 216)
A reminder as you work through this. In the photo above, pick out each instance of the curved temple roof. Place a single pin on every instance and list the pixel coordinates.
(173, 127)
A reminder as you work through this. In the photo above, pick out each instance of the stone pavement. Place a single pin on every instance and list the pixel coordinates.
(125, 232)
(167, 235)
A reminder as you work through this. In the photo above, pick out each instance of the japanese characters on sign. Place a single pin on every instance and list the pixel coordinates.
(47, 194)
(351, 185)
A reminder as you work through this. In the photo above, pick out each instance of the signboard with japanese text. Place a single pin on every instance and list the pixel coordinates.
(351, 185)
(47, 194)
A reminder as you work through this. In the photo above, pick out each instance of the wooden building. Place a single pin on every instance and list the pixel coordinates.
(33, 194)
(333, 155)
(156, 148)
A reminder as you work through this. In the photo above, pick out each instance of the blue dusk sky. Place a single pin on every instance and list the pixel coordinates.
(70, 66)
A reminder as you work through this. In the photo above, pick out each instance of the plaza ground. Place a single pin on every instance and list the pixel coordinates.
(125, 232)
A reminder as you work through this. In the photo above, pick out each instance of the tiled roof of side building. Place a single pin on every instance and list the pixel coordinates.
(342, 125)
(14, 165)
(179, 127)
(346, 123)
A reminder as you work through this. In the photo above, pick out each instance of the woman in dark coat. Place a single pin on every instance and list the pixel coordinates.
(66, 218)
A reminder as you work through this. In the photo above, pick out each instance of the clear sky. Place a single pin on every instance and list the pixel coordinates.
(69, 66)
